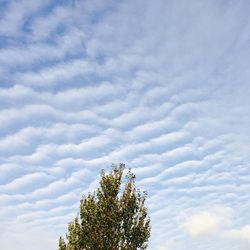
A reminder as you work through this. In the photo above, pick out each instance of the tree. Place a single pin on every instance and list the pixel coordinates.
(110, 219)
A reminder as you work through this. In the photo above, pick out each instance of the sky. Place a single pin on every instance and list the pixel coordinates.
(162, 86)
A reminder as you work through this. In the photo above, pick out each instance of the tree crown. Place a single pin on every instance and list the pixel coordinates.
(110, 219)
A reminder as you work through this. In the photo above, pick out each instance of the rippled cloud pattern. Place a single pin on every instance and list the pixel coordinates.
(162, 86)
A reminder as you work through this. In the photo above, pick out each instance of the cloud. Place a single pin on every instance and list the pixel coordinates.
(218, 223)
(207, 223)
(161, 85)
(29, 55)
(18, 236)
(16, 14)
(28, 180)
(242, 234)
(43, 26)
(57, 74)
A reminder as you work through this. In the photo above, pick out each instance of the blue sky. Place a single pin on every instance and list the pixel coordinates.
(162, 86)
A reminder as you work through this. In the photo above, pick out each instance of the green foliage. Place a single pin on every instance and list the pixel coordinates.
(62, 245)
(110, 219)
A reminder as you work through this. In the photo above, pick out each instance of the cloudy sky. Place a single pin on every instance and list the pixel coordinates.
(162, 86)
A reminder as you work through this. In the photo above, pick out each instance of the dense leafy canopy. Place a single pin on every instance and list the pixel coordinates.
(110, 219)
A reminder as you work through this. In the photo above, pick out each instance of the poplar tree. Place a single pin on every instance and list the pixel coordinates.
(114, 217)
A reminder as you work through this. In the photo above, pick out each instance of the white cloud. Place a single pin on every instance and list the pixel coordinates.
(57, 74)
(16, 13)
(161, 85)
(44, 25)
(28, 180)
(69, 43)
(19, 235)
(242, 234)
(208, 223)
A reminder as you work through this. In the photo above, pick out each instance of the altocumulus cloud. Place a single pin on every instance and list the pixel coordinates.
(162, 86)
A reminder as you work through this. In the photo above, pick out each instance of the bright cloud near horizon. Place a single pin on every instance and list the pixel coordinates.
(162, 86)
